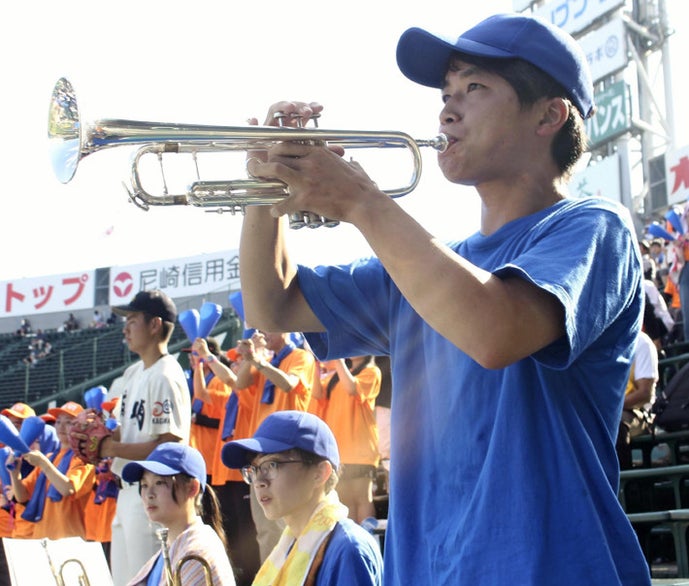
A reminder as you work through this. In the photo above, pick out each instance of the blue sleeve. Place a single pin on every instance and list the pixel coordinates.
(352, 558)
(352, 302)
(588, 259)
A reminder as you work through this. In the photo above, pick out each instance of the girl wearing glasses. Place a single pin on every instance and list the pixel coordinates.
(292, 462)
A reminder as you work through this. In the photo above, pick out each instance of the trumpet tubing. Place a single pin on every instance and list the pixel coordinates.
(59, 575)
(174, 578)
(71, 140)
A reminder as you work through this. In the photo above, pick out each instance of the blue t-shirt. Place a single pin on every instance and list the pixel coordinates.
(505, 476)
(352, 558)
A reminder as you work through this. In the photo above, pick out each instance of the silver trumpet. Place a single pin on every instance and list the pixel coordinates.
(71, 140)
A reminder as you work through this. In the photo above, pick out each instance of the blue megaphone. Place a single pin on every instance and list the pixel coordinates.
(209, 315)
(4, 472)
(32, 429)
(655, 229)
(238, 305)
(675, 218)
(189, 319)
(94, 397)
(10, 436)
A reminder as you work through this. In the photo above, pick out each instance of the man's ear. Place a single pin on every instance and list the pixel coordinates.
(155, 325)
(554, 114)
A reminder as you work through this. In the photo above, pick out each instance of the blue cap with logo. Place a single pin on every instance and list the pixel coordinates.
(282, 431)
(424, 57)
(169, 459)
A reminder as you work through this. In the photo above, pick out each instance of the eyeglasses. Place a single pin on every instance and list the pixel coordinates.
(267, 470)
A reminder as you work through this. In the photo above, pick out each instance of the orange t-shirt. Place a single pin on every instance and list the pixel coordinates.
(242, 429)
(300, 363)
(22, 529)
(6, 523)
(672, 290)
(352, 418)
(64, 518)
(203, 438)
(98, 519)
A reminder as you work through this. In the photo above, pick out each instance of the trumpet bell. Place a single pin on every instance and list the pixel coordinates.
(64, 131)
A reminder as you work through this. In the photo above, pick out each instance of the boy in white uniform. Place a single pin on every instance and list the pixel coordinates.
(155, 407)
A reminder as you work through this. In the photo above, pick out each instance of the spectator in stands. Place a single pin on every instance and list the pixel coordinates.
(284, 382)
(292, 461)
(509, 349)
(235, 417)
(383, 402)
(31, 358)
(674, 303)
(24, 327)
(638, 398)
(97, 321)
(154, 408)
(658, 322)
(39, 348)
(17, 413)
(71, 324)
(287, 377)
(209, 396)
(56, 491)
(48, 418)
(100, 508)
(645, 250)
(47, 443)
(350, 393)
(678, 261)
(657, 252)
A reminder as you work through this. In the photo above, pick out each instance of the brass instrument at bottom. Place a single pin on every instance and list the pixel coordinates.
(59, 574)
(175, 578)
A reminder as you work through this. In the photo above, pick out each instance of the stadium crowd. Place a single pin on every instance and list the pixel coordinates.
(51, 492)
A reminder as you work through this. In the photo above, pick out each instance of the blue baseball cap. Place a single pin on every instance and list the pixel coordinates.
(282, 431)
(169, 459)
(424, 57)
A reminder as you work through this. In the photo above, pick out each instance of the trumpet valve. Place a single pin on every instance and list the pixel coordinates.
(281, 117)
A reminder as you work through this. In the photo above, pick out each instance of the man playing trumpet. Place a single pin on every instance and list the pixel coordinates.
(510, 349)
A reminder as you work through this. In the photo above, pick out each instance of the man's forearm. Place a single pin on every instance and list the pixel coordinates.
(265, 269)
(270, 292)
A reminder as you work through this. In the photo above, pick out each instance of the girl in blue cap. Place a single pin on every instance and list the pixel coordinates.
(172, 485)
(292, 463)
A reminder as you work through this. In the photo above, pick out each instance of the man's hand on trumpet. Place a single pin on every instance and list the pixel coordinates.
(318, 178)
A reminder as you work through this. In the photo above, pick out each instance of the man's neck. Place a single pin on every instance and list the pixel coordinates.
(153, 354)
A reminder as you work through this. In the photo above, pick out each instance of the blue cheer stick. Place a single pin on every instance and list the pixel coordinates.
(655, 229)
(209, 315)
(675, 219)
(189, 319)
(10, 436)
